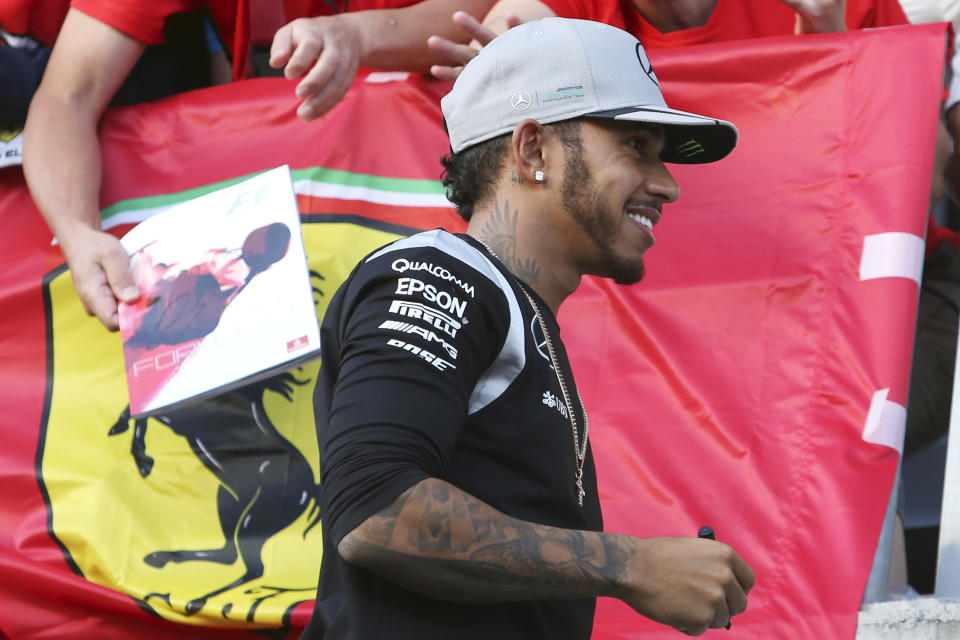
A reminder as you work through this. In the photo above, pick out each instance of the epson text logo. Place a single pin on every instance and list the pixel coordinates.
(447, 302)
(402, 264)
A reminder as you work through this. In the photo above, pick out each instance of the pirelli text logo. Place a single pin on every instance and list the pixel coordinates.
(436, 319)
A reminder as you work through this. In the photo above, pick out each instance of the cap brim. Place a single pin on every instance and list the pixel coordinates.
(690, 138)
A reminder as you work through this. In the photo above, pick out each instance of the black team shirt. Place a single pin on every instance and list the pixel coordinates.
(434, 365)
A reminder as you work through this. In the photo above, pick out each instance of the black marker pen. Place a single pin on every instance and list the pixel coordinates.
(708, 533)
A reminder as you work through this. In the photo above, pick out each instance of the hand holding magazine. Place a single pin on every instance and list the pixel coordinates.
(225, 295)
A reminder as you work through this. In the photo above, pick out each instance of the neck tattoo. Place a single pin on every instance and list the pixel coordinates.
(579, 449)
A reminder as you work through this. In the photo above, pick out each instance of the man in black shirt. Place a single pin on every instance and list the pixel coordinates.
(459, 493)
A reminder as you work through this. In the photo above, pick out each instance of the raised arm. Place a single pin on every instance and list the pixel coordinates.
(444, 543)
(61, 156)
(329, 49)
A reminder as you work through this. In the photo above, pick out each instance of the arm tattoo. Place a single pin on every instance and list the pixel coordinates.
(447, 544)
(500, 232)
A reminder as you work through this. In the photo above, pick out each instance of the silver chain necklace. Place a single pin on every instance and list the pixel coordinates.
(580, 451)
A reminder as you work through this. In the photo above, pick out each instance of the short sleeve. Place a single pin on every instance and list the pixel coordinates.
(414, 331)
(141, 20)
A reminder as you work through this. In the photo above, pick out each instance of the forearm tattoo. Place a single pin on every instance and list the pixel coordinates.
(445, 543)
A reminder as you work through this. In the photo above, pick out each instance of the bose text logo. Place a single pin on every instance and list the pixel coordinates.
(438, 363)
(426, 334)
(447, 302)
(402, 264)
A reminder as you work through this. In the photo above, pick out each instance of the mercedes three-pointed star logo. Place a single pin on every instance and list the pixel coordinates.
(521, 100)
(647, 65)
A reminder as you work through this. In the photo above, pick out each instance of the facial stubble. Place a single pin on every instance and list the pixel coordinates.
(594, 215)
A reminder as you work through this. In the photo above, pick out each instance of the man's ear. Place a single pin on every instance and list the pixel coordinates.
(527, 148)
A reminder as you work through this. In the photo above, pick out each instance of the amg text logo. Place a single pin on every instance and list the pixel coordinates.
(426, 334)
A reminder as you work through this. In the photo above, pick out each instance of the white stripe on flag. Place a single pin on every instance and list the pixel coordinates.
(376, 196)
(886, 422)
(892, 255)
(308, 188)
(381, 77)
(133, 216)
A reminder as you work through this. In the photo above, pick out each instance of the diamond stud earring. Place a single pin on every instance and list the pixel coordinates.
(538, 175)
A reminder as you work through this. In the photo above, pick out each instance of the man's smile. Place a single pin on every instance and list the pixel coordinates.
(647, 214)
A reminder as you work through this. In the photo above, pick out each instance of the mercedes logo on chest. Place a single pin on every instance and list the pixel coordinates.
(521, 100)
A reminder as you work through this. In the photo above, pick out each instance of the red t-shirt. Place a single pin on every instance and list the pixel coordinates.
(730, 20)
(40, 19)
(144, 19)
(140, 19)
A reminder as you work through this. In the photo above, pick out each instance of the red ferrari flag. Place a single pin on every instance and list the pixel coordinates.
(755, 381)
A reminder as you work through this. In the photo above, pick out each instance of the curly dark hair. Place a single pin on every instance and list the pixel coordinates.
(470, 175)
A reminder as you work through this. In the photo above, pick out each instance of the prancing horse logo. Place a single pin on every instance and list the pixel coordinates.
(266, 483)
(221, 525)
(214, 520)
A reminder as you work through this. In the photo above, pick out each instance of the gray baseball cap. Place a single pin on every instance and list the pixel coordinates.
(558, 68)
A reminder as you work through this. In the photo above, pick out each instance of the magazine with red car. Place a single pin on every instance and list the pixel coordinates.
(225, 295)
